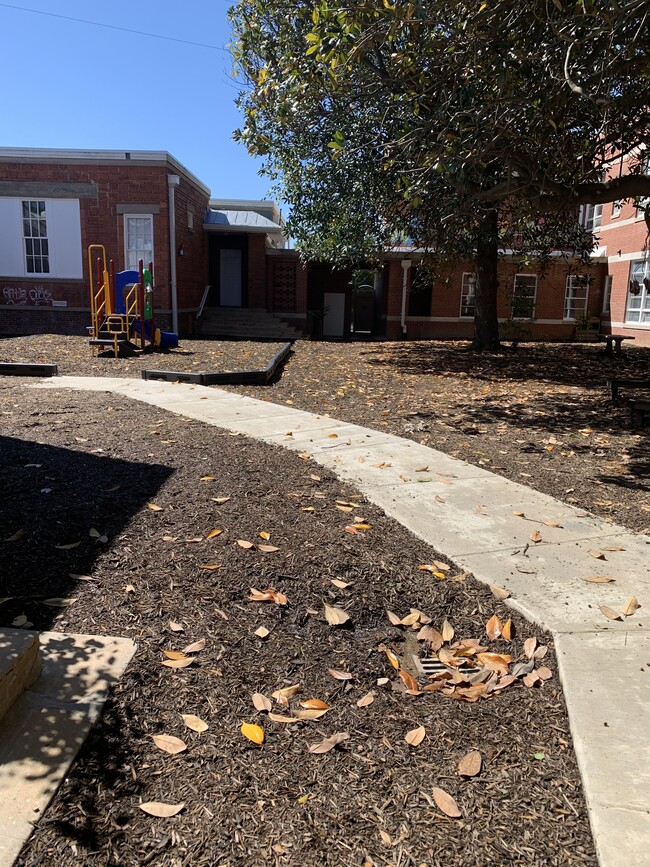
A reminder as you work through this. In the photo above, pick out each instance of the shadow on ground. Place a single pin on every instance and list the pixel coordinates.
(60, 510)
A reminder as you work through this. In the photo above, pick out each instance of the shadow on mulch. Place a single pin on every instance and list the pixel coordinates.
(53, 498)
(581, 365)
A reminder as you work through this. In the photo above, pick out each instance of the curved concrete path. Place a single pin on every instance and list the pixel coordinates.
(466, 513)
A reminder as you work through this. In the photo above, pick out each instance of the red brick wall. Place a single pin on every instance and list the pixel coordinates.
(117, 184)
(257, 270)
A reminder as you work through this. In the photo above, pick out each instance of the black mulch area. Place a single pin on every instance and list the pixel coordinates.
(539, 415)
(73, 356)
(75, 462)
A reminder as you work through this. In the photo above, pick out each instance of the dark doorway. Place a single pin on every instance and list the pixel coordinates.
(228, 271)
(363, 309)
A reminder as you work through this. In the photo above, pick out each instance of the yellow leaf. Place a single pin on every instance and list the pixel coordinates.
(507, 630)
(213, 534)
(308, 509)
(154, 507)
(208, 479)
(392, 658)
(253, 732)
(264, 535)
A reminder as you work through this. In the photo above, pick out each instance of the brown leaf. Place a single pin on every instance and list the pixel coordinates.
(598, 555)
(519, 514)
(409, 682)
(179, 663)
(367, 699)
(531, 679)
(340, 675)
(630, 606)
(392, 658)
(499, 592)
(536, 536)
(269, 595)
(414, 737)
(544, 673)
(344, 508)
(507, 630)
(280, 718)
(210, 567)
(555, 524)
(214, 533)
(16, 536)
(194, 722)
(261, 702)
(599, 579)
(411, 619)
(493, 627)
(310, 713)
(244, 544)
(175, 654)
(308, 509)
(220, 500)
(154, 507)
(342, 585)
(314, 704)
(613, 548)
(529, 647)
(208, 479)
(541, 652)
(253, 732)
(267, 549)
(428, 633)
(470, 764)
(161, 810)
(447, 631)
(262, 632)
(169, 744)
(335, 616)
(194, 539)
(195, 646)
(68, 547)
(446, 803)
(329, 743)
(610, 613)
(394, 619)
(175, 627)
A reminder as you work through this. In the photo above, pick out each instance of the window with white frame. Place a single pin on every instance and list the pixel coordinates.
(138, 240)
(575, 297)
(523, 296)
(607, 294)
(638, 294)
(37, 251)
(617, 207)
(592, 217)
(468, 296)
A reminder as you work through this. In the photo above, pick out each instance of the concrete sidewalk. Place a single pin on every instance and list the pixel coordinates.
(467, 513)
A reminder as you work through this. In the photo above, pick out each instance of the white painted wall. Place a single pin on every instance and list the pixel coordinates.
(64, 235)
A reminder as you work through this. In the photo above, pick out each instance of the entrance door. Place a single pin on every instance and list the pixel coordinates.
(230, 282)
(334, 319)
(363, 309)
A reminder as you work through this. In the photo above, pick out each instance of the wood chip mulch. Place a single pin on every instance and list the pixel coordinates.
(84, 470)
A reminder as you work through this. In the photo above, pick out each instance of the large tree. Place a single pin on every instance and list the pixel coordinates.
(450, 124)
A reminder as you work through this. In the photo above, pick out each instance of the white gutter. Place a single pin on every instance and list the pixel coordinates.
(406, 264)
(173, 181)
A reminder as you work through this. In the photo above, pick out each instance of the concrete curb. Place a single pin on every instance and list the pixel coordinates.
(10, 368)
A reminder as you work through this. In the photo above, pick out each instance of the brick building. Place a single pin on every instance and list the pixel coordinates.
(222, 266)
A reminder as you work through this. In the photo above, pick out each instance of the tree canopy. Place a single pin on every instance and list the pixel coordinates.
(444, 122)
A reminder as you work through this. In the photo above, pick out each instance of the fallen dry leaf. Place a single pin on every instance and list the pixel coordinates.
(470, 764)
(263, 534)
(507, 630)
(68, 547)
(367, 699)
(253, 732)
(531, 679)
(329, 743)
(261, 702)
(499, 592)
(409, 682)
(447, 631)
(555, 524)
(179, 663)
(599, 579)
(335, 616)
(283, 695)
(493, 627)
(169, 744)
(314, 704)
(630, 606)
(414, 737)
(154, 507)
(613, 548)
(210, 567)
(269, 595)
(342, 585)
(598, 555)
(446, 803)
(195, 646)
(195, 722)
(610, 613)
(529, 647)
(15, 536)
(280, 718)
(214, 533)
(428, 633)
(161, 810)
(544, 673)
(244, 544)
(220, 500)
(394, 619)
(392, 658)
(175, 627)
(262, 632)
(310, 713)
(536, 536)
(340, 675)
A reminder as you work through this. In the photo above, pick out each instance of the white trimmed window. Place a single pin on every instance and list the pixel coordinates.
(37, 251)
(607, 294)
(468, 296)
(523, 296)
(592, 217)
(638, 294)
(617, 207)
(138, 240)
(575, 297)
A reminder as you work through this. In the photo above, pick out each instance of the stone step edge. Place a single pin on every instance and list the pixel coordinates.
(20, 665)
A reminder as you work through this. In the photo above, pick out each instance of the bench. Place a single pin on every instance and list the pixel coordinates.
(610, 340)
(615, 384)
(640, 411)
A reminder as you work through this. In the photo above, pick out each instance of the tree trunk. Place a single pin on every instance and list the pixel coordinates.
(486, 321)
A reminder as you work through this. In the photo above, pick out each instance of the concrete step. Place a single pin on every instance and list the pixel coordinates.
(253, 323)
(20, 665)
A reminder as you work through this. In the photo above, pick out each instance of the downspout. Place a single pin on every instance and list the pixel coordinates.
(406, 264)
(173, 181)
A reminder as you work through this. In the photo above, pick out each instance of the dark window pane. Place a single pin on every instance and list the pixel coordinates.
(30, 264)
(26, 210)
(46, 266)
(29, 247)
(44, 247)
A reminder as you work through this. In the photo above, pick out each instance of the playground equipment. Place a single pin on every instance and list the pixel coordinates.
(121, 307)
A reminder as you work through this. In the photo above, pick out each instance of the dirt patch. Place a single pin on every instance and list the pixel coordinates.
(540, 415)
(85, 471)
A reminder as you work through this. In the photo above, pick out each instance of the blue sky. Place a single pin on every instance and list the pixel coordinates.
(73, 85)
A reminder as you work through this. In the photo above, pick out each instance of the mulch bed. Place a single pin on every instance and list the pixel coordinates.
(74, 358)
(539, 415)
(77, 462)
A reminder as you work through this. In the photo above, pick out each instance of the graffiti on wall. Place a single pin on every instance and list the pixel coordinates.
(35, 296)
